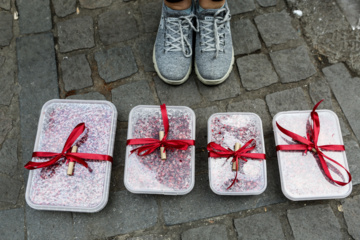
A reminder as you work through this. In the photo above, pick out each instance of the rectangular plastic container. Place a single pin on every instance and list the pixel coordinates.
(301, 175)
(149, 174)
(226, 129)
(51, 188)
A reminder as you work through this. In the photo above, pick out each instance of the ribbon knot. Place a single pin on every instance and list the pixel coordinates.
(311, 144)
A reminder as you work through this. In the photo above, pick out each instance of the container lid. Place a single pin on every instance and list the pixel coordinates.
(51, 188)
(149, 174)
(226, 129)
(302, 177)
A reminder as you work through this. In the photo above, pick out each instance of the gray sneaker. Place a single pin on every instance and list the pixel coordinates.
(173, 48)
(214, 54)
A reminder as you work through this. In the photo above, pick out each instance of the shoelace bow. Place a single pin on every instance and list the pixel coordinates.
(210, 31)
(176, 39)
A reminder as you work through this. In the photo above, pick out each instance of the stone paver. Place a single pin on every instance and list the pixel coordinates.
(257, 106)
(9, 189)
(229, 89)
(76, 33)
(183, 95)
(352, 156)
(245, 36)
(6, 25)
(352, 215)
(144, 47)
(256, 71)
(119, 151)
(171, 236)
(241, 6)
(211, 232)
(5, 124)
(137, 93)
(320, 90)
(12, 224)
(7, 75)
(202, 116)
(125, 212)
(347, 93)
(5, 4)
(76, 72)
(35, 16)
(59, 225)
(111, 31)
(37, 75)
(287, 100)
(116, 63)
(314, 222)
(88, 96)
(275, 28)
(64, 7)
(151, 13)
(259, 226)
(8, 157)
(92, 4)
(293, 65)
(267, 3)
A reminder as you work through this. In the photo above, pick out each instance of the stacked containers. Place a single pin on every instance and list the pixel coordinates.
(302, 177)
(150, 174)
(227, 129)
(51, 188)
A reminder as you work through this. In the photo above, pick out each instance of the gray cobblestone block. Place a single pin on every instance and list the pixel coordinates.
(88, 96)
(347, 93)
(314, 222)
(352, 156)
(76, 33)
(129, 95)
(92, 4)
(352, 216)
(34, 16)
(8, 157)
(144, 47)
(116, 63)
(37, 75)
(151, 13)
(267, 3)
(245, 36)
(293, 65)
(5, 4)
(125, 212)
(6, 24)
(111, 31)
(229, 89)
(344, 130)
(7, 75)
(287, 100)
(211, 232)
(275, 28)
(76, 72)
(12, 224)
(64, 7)
(120, 149)
(256, 71)
(259, 226)
(183, 95)
(172, 236)
(9, 188)
(59, 225)
(241, 6)
(202, 116)
(257, 106)
(320, 90)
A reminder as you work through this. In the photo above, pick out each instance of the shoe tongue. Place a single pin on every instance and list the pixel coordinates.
(208, 14)
(176, 13)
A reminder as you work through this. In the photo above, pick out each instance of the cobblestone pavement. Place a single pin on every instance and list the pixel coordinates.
(102, 49)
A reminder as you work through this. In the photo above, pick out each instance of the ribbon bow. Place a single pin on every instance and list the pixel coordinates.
(151, 144)
(217, 151)
(65, 153)
(311, 144)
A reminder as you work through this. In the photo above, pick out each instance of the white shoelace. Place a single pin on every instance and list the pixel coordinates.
(178, 30)
(210, 32)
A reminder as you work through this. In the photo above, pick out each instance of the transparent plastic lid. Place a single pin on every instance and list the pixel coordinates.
(226, 129)
(302, 177)
(51, 188)
(150, 174)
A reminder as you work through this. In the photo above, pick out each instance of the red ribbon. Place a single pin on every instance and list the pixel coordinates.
(65, 153)
(217, 151)
(151, 144)
(311, 144)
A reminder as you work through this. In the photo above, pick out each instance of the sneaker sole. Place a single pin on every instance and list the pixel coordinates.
(215, 81)
(168, 81)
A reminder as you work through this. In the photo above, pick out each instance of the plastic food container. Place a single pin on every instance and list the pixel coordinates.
(226, 129)
(149, 174)
(51, 188)
(302, 177)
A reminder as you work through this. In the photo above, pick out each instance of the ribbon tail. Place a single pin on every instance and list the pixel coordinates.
(237, 168)
(327, 171)
(35, 165)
